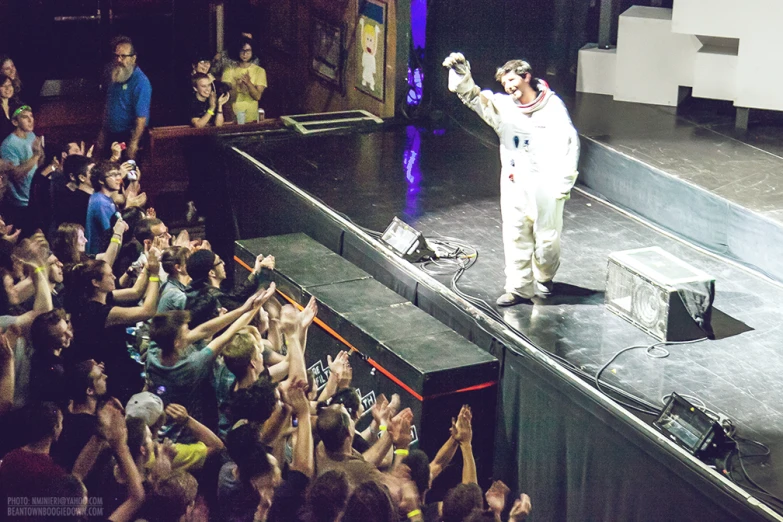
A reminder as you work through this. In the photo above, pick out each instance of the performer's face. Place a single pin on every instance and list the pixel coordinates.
(515, 84)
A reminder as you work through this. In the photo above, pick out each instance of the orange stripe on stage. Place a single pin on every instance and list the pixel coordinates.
(372, 363)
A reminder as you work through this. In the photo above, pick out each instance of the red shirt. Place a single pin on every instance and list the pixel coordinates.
(24, 473)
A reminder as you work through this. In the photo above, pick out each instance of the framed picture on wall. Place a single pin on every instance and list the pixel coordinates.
(371, 48)
(327, 51)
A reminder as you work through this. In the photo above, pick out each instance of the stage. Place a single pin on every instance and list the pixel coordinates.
(443, 180)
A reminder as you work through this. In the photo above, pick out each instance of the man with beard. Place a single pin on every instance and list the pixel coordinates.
(127, 100)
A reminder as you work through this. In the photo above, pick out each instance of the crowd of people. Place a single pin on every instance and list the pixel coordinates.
(135, 386)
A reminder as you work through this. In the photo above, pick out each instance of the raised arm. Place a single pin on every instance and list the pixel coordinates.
(294, 326)
(303, 447)
(211, 327)
(32, 254)
(7, 379)
(462, 431)
(221, 341)
(130, 315)
(337, 367)
(443, 458)
(120, 227)
(179, 414)
(461, 82)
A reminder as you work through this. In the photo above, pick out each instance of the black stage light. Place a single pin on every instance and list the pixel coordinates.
(691, 428)
(407, 242)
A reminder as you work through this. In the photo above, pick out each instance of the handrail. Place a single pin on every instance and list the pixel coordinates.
(179, 131)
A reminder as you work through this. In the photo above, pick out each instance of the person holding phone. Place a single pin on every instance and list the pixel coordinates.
(206, 107)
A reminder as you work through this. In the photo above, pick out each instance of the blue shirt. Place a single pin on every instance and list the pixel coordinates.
(172, 296)
(127, 101)
(100, 209)
(18, 150)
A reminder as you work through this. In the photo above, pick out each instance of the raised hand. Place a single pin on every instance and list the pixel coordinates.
(274, 309)
(120, 227)
(383, 410)
(308, 313)
(132, 196)
(264, 262)
(182, 239)
(346, 378)
(116, 151)
(338, 365)
(496, 496)
(461, 428)
(111, 423)
(153, 261)
(223, 99)
(6, 351)
(296, 397)
(32, 253)
(520, 509)
(263, 295)
(177, 413)
(400, 428)
(262, 321)
(457, 62)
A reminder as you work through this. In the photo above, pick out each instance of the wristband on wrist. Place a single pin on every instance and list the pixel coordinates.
(154, 279)
(39, 269)
(383, 427)
(401, 452)
(115, 240)
(210, 112)
(415, 513)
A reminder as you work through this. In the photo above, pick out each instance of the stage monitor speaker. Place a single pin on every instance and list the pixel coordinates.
(661, 294)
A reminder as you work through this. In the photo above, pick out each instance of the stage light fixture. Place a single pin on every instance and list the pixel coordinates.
(407, 242)
(691, 428)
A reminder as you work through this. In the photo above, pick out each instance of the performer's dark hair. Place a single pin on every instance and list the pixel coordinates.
(519, 67)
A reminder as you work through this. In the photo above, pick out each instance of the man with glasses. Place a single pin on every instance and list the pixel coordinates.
(128, 97)
(106, 181)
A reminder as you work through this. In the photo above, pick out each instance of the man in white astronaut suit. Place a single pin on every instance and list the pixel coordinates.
(539, 151)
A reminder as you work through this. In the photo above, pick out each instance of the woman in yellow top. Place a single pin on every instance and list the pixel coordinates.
(247, 81)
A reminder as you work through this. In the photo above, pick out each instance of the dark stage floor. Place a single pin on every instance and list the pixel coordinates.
(445, 183)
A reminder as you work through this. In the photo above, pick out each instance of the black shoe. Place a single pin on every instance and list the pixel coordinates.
(544, 290)
(511, 299)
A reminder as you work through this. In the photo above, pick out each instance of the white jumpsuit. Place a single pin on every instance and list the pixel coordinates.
(539, 152)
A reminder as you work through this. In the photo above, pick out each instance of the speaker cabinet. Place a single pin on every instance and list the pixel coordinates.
(659, 293)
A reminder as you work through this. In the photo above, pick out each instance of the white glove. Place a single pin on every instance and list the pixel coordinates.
(457, 62)
(460, 79)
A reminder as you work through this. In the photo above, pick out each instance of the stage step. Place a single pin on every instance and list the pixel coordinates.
(705, 187)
